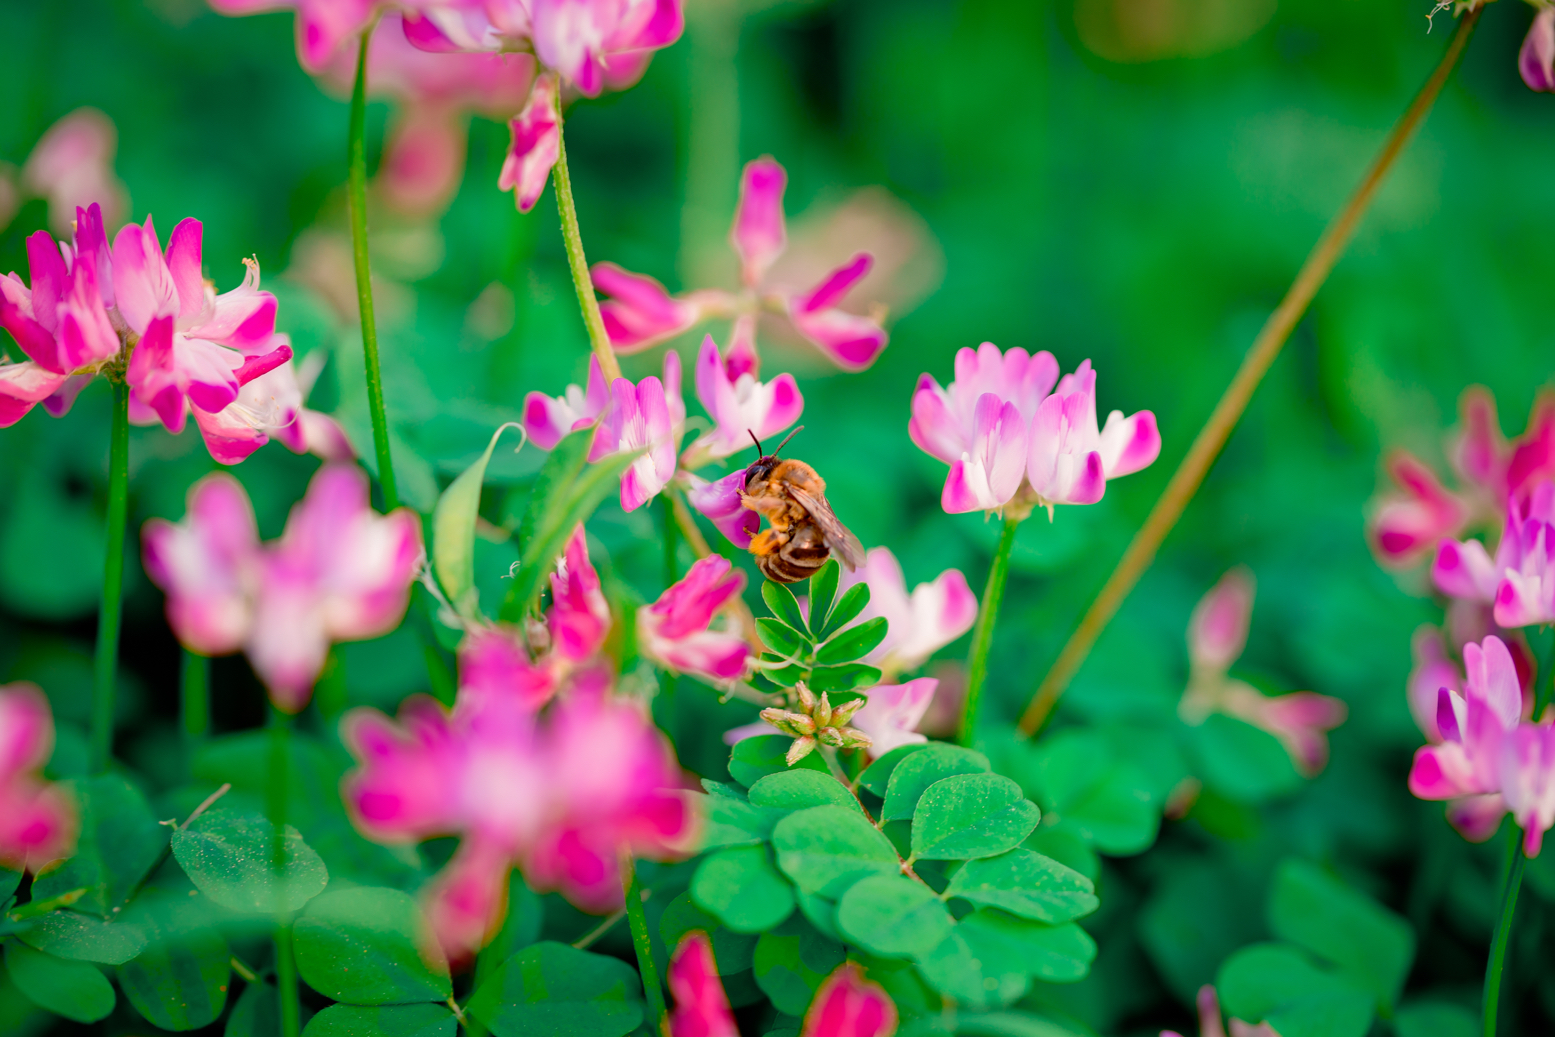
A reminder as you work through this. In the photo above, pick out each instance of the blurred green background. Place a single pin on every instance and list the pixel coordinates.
(1133, 181)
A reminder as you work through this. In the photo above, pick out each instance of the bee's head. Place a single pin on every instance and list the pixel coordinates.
(765, 462)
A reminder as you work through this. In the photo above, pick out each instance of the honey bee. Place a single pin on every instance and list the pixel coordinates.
(803, 530)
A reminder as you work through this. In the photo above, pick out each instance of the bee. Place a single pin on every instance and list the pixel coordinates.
(803, 530)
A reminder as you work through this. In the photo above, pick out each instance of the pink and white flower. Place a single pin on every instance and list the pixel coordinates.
(1527, 776)
(1070, 460)
(38, 821)
(920, 623)
(722, 503)
(324, 27)
(1473, 725)
(1536, 59)
(535, 145)
(739, 405)
(643, 313)
(676, 631)
(547, 419)
(1519, 580)
(339, 572)
(891, 716)
(271, 407)
(701, 1006)
(580, 617)
(648, 416)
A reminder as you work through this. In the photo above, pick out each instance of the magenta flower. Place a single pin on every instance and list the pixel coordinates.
(848, 1005)
(642, 313)
(38, 822)
(580, 616)
(547, 419)
(701, 1006)
(1528, 781)
(1518, 580)
(1432, 672)
(1473, 725)
(560, 796)
(1217, 634)
(739, 405)
(648, 416)
(324, 27)
(722, 504)
(920, 623)
(676, 631)
(339, 572)
(891, 716)
(535, 146)
(1536, 60)
(494, 663)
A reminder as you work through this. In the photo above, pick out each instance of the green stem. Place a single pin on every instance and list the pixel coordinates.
(194, 693)
(1510, 885)
(275, 806)
(111, 613)
(573, 240)
(286, 981)
(357, 195)
(982, 633)
(641, 942)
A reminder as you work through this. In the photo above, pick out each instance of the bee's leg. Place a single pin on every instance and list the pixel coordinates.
(767, 504)
(768, 541)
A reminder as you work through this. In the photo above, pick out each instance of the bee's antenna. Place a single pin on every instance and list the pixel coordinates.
(759, 452)
(786, 438)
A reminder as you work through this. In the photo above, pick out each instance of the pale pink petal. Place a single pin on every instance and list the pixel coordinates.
(1409, 523)
(423, 159)
(142, 284)
(759, 234)
(934, 428)
(1433, 671)
(208, 564)
(740, 406)
(535, 145)
(1492, 678)
(1527, 770)
(1129, 444)
(1463, 569)
(986, 477)
(23, 385)
(1217, 632)
(893, 712)
(183, 265)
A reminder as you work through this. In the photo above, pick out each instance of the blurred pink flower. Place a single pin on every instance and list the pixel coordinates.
(72, 166)
(1210, 1024)
(38, 822)
(1433, 670)
(1536, 60)
(721, 503)
(739, 405)
(271, 406)
(1519, 580)
(1410, 523)
(339, 572)
(1217, 634)
(561, 796)
(1473, 725)
(643, 314)
(676, 631)
(647, 416)
(1528, 781)
(593, 44)
(848, 1005)
(580, 616)
(920, 623)
(494, 662)
(324, 27)
(701, 1006)
(535, 145)
(893, 713)
(547, 419)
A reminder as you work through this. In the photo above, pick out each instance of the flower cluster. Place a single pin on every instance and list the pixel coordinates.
(1217, 634)
(814, 721)
(38, 820)
(1013, 441)
(339, 572)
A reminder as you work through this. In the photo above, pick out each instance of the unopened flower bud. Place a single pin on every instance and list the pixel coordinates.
(799, 750)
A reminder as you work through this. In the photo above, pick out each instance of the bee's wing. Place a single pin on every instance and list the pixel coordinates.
(838, 537)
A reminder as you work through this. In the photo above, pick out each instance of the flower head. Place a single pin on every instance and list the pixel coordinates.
(739, 405)
(812, 721)
(648, 416)
(920, 623)
(676, 631)
(1536, 60)
(38, 822)
(1473, 725)
(580, 616)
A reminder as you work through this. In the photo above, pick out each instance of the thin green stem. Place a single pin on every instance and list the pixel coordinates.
(275, 806)
(982, 633)
(641, 942)
(110, 615)
(194, 694)
(286, 981)
(599, 341)
(1510, 884)
(357, 195)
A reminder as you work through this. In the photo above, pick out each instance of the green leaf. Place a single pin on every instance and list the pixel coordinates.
(731, 951)
(784, 606)
(370, 946)
(819, 912)
(9, 881)
(1435, 1019)
(740, 886)
(382, 1021)
(1314, 910)
(66, 934)
(1331, 1015)
(1241, 762)
(893, 916)
(1027, 884)
(256, 1014)
(180, 982)
(1104, 800)
(797, 789)
(755, 758)
(957, 971)
(878, 773)
(453, 530)
(843, 678)
(847, 609)
(790, 964)
(73, 989)
(732, 821)
(231, 858)
(552, 990)
(827, 849)
(120, 840)
(853, 643)
(922, 769)
(1052, 953)
(823, 591)
(971, 815)
(1011, 1024)
(780, 637)
(1265, 978)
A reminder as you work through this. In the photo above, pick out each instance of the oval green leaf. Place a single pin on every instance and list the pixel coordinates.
(66, 934)
(731, 951)
(382, 1021)
(120, 841)
(846, 610)
(73, 989)
(827, 849)
(552, 990)
(256, 1014)
(971, 815)
(754, 758)
(853, 643)
(957, 971)
(370, 946)
(893, 916)
(922, 769)
(180, 983)
(1053, 953)
(797, 789)
(1027, 884)
(877, 774)
(742, 889)
(231, 858)
(823, 591)
(784, 606)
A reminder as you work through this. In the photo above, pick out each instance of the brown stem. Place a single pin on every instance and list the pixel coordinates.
(1212, 437)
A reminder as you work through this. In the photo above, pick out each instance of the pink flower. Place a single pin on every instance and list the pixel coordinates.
(1210, 1024)
(580, 616)
(722, 503)
(1536, 60)
(647, 416)
(536, 143)
(1217, 634)
(324, 27)
(1525, 594)
(271, 406)
(848, 1005)
(547, 419)
(560, 796)
(643, 313)
(72, 166)
(339, 572)
(943, 420)
(38, 822)
(1070, 460)
(920, 623)
(494, 663)
(892, 715)
(1473, 726)
(992, 470)
(1432, 672)
(1528, 781)
(676, 632)
(701, 1006)
(739, 405)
